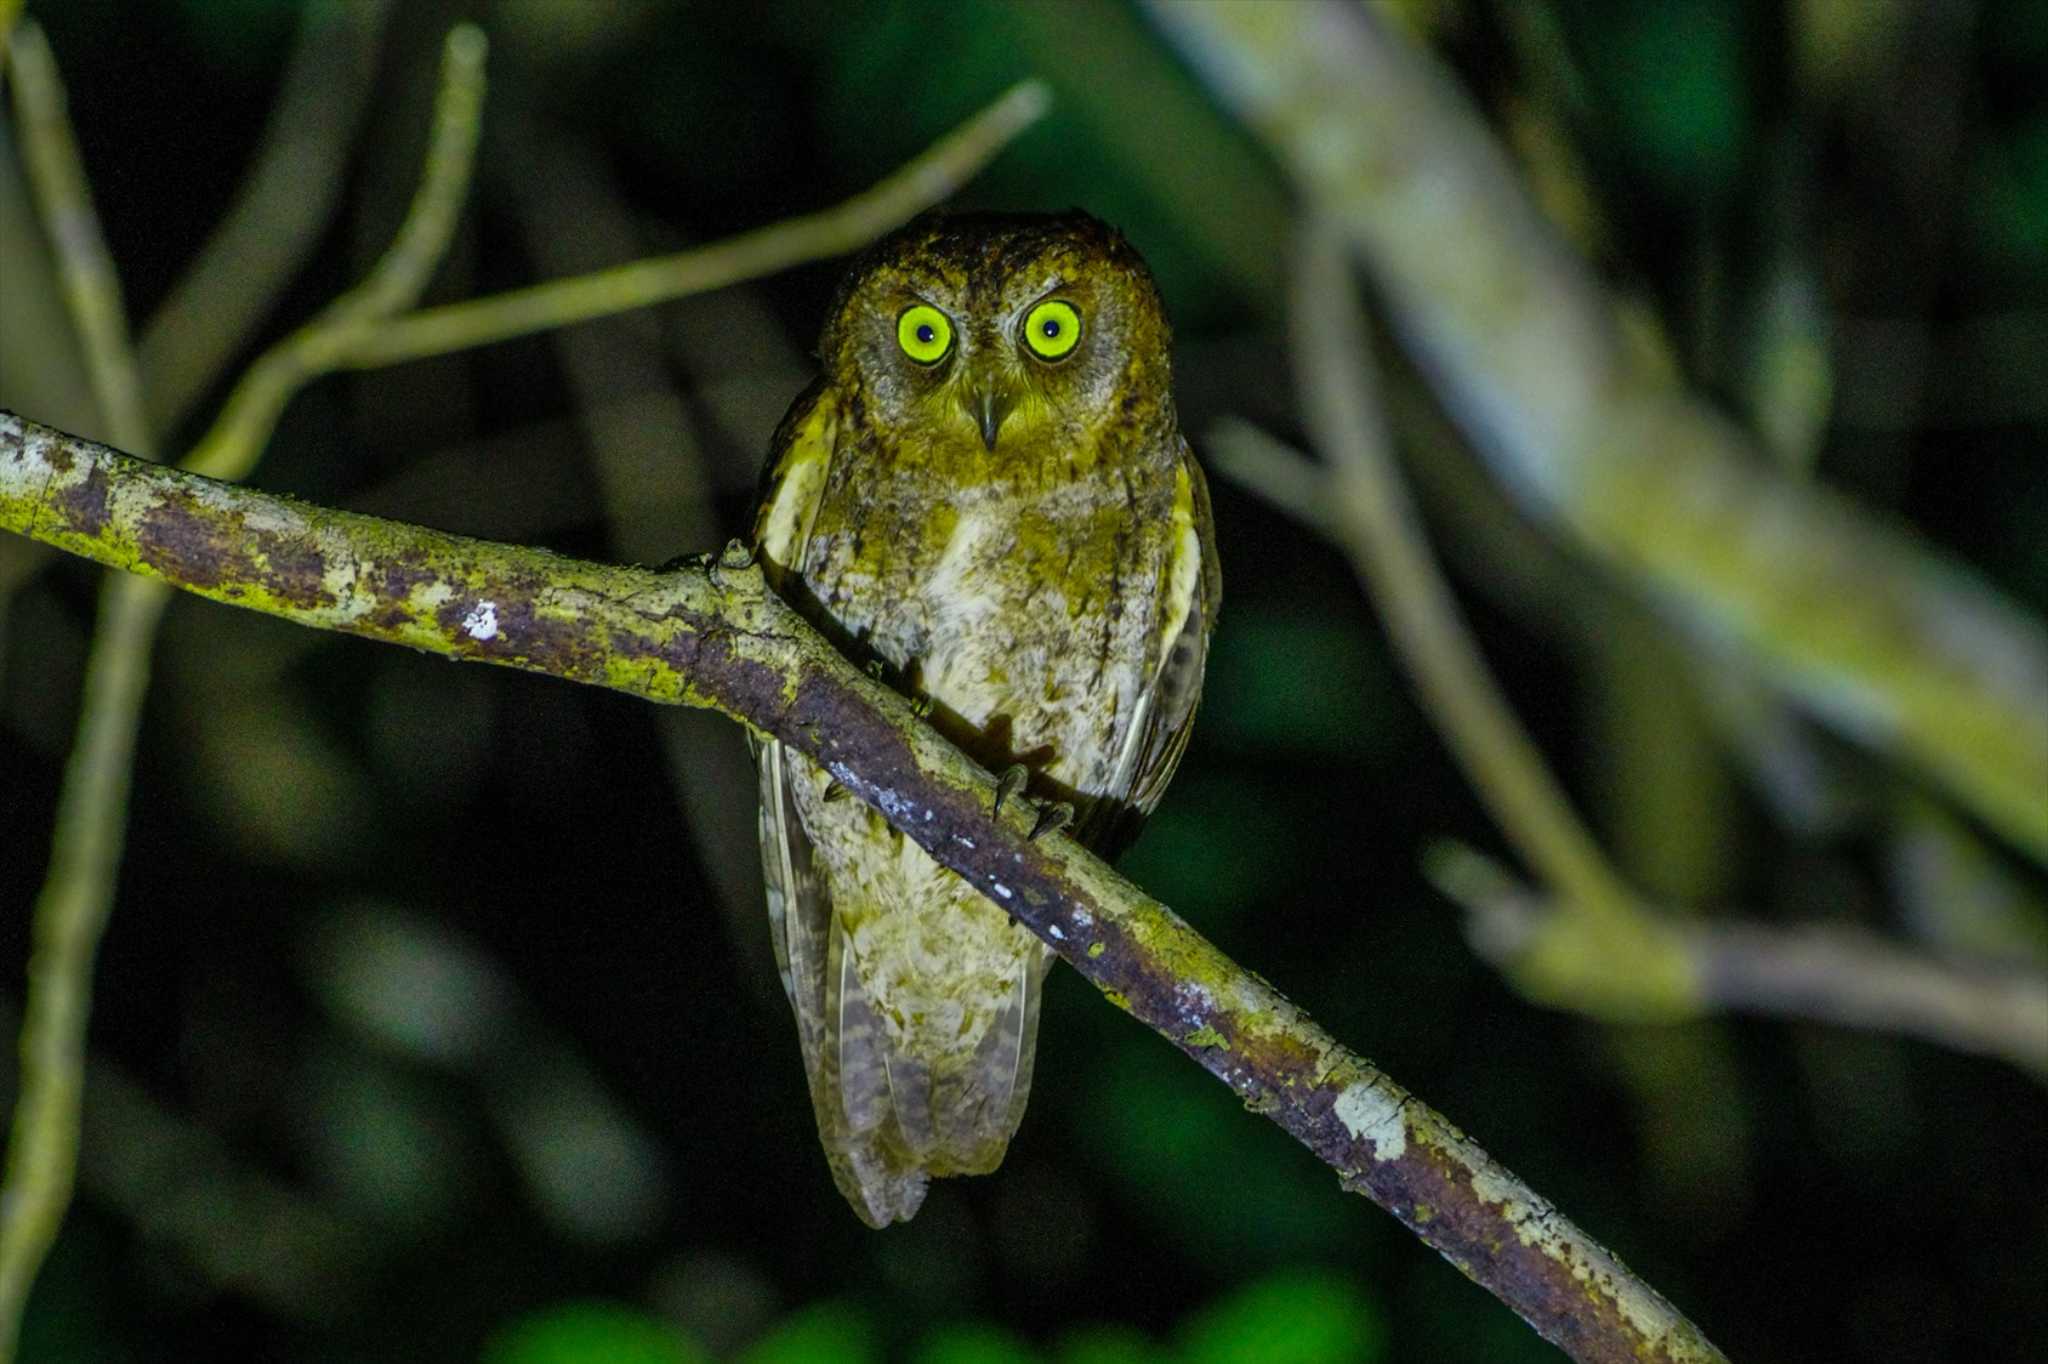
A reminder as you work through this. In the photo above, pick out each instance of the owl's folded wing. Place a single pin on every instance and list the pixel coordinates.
(1166, 709)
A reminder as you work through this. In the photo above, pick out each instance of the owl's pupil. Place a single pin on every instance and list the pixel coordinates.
(1050, 328)
(925, 334)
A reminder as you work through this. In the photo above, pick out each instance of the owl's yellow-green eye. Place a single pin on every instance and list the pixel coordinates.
(924, 333)
(1052, 330)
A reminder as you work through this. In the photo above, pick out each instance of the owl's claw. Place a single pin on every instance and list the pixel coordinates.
(922, 707)
(736, 555)
(1007, 785)
(1053, 816)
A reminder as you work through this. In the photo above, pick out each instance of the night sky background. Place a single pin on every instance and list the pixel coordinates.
(436, 1018)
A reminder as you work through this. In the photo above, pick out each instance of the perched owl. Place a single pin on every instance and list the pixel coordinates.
(985, 497)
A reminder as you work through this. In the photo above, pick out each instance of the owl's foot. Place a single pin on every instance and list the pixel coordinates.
(736, 555)
(1007, 785)
(1053, 816)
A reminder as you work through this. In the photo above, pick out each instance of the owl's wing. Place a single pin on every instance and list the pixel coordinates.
(1166, 708)
(845, 1058)
(798, 912)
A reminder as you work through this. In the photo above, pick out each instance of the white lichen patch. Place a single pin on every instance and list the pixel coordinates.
(482, 621)
(1057, 936)
(999, 888)
(272, 518)
(1373, 1116)
(1083, 918)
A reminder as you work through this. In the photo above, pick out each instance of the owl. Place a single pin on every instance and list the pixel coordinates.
(986, 499)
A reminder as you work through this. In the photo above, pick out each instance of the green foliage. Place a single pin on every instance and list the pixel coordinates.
(1293, 684)
(823, 1333)
(1209, 1175)
(1293, 1317)
(591, 1333)
(1670, 77)
(2010, 203)
(1109, 1345)
(973, 1343)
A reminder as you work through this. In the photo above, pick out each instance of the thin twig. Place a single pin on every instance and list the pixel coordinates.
(842, 228)
(278, 213)
(92, 287)
(1828, 975)
(712, 634)
(236, 441)
(1334, 366)
(85, 852)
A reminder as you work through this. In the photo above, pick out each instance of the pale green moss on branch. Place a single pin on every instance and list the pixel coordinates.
(711, 634)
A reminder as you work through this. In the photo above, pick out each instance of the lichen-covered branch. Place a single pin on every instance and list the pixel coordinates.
(712, 634)
(1862, 623)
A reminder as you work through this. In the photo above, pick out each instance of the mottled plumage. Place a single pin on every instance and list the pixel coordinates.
(987, 494)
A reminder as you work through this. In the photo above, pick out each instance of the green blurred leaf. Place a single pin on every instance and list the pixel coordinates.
(1292, 1317)
(1295, 685)
(1217, 847)
(973, 1343)
(823, 1333)
(2010, 198)
(1671, 76)
(1108, 1345)
(591, 1333)
(1223, 1183)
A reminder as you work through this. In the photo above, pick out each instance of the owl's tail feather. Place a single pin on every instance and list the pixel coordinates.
(891, 1123)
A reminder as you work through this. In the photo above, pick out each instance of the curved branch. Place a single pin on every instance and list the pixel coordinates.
(1828, 974)
(712, 634)
(1864, 625)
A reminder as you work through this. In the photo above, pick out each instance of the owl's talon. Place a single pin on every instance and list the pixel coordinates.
(922, 707)
(1053, 816)
(736, 555)
(875, 668)
(1007, 785)
(834, 791)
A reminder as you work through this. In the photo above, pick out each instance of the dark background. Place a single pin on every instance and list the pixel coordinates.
(436, 1015)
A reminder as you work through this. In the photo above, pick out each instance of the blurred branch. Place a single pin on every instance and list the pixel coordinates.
(71, 910)
(1334, 366)
(92, 287)
(279, 212)
(1372, 515)
(713, 635)
(1890, 642)
(1828, 975)
(839, 229)
(236, 440)
(1635, 966)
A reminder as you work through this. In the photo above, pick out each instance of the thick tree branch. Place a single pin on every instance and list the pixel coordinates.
(712, 634)
(1864, 625)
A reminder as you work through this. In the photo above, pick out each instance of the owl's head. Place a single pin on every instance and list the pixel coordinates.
(1005, 327)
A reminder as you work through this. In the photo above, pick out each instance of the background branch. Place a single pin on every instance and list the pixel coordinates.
(713, 635)
(1870, 629)
(1828, 975)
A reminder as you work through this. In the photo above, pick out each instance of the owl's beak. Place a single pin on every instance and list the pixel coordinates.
(988, 404)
